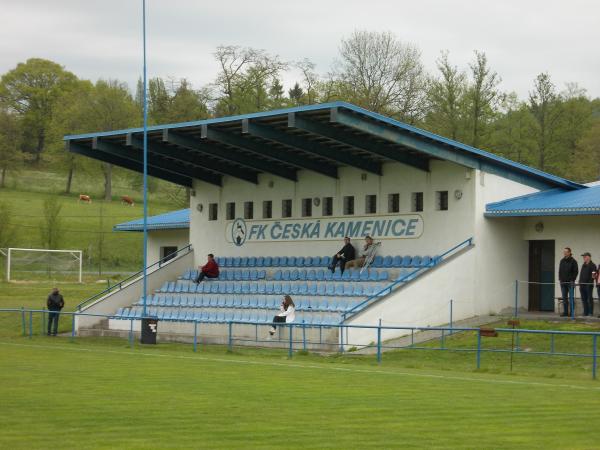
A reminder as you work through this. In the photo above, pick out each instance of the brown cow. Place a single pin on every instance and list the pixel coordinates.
(127, 200)
(85, 198)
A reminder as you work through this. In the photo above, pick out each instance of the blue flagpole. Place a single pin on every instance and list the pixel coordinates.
(145, 287)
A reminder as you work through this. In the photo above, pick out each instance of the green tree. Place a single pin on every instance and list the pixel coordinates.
(296, 95)
(31, 90)
(586, 163)
(188, 104)
(51, 226)
(11, 156)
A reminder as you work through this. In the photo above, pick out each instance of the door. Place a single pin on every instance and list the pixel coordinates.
(167, 253)
(541, 275)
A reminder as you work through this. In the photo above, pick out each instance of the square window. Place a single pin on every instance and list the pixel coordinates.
(230, 211)
(393, 203)
(213, 209)
(441, 200)
(267, 209)
(370, 204)
(327, 206)
(286, 208)
(417, 201)
(248, 210)
(306, 207)
(349, 205)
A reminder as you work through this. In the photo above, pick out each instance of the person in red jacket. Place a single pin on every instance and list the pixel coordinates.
(210, 269)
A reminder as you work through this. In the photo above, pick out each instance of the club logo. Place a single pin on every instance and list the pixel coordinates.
(238, 232)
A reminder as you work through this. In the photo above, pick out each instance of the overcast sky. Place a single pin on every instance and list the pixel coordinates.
(102, 39)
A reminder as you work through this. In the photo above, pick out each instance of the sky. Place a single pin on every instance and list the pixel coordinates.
(102, 39)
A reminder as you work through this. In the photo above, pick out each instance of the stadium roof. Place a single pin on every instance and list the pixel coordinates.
(168, 221)
(554, 202)
(319, 138)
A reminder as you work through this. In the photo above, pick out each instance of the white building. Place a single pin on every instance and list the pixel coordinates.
(294, 182)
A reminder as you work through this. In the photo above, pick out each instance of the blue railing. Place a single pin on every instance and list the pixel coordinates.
(405, 278)
(118, 286)
(292, 343)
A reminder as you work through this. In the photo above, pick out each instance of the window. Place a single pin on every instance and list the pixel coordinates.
(370, 204)
(417, 201)
(349, 205)
(306, 207)
(441, 200)
(286, 208)
(267, 209)
(248, 210)
(327, 206)
(230, 211)
(213, 209)
(393, 203)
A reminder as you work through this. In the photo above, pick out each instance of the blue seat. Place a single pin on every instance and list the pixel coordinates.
(358, 290)
(355, 275)
(236, 301)
(321, 289)
(300, 261)
(285, 275)
(388, 261)
(253, 274)
(311, 275)
(416, 262)
(261, 302)
(229, 287)
(339, 290)
(348, 289)
(185, 301)
(237, 262)
(277, 288)
(294, 289)
(268, 261)
(302, 274)
(261, 288)
(283, 261)
(397, 261)
(377, 261)
(294, 275)
(244, 261)
(330, 289)
(245, 275)
(278, 275)
(303, 289)
(276, 261)
(346, 276)
(253, 288)
(291, 261)
(383, 275)
(237, 275)
(262, 274)
(237, 288)
(327, 275)
(251, 261)
(427, 261)
(325, 260)
(176, 301)
(312, 288)
(220, 302)
(308, 261)
(269, 288)
(253, 302)
(373, 275)
(316, 261)
(337, 276)
(406, 261)
(245, 288)
(244, 302)
(260, 261)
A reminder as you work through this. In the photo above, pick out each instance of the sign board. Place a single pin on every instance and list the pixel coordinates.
(240, 231)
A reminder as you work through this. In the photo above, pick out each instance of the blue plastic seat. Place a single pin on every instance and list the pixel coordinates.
(308, 261)
(339, 290)
(312, 289)
(406, 261)
(300, 261)
(337, 276)
(237, 261)
(348, 289)
(237, 275)
(268, 262)
(269, 288)
(245, 302)
(311, 275)
(327, 275)
(316, 261)
(320, 275)
(262, 274)
(416, 262)
(330, 289)
(294, 275)
(253, 288)
(294, 289)
(251, 261)
(245, 275)
(278, 288)
(373, 275)
(325, 260)
(261, 287)
(229, 287)
(176, 301)
(358, 290)
(346, 276)
(237, 288)
(245, 288)
(278, 275)
(321, 289)
(244, 261)
(253, 274)
(303, 289)
(355, 275)
(283, 261)
(276, 261)
(383, 275)
(260, 261)
(388, 261)
(285, 275)
(302, 274)
(377, 261)
(427, 261)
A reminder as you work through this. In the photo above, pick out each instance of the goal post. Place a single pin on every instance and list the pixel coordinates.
(43, 259)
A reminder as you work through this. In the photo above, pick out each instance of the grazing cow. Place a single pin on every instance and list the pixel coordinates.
(127, 200)
(85, 198)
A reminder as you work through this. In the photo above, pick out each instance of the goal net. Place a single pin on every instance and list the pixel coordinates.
(30, 264)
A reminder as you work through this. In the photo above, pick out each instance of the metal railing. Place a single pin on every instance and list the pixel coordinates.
(405, 279)
(293, 343)
(151, 268)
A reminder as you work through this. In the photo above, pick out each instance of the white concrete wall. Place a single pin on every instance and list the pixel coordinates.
(442, 229)
(422, 302)
(130, 293)
(166, 238)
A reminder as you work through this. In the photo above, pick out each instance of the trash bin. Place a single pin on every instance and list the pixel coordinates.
(149, 330)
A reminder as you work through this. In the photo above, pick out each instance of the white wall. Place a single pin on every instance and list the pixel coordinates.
(179, 238)
(442, 229)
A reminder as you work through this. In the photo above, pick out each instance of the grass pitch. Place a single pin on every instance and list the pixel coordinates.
(101, 394)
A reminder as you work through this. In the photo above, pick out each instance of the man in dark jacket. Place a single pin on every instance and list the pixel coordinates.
(210, 269)
(567, 274)
(55, 303)
(347, 253)
(586, 284)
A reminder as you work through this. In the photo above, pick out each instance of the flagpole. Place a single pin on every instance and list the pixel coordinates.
(145, 283)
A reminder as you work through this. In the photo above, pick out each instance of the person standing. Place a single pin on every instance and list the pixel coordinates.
(347, 253)
(287, 313)
(210, 269)
(55, 303)
(586, 284)
(567, 274)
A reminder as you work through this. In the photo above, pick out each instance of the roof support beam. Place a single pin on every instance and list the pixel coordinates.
(81, 149)
(433, 149)
(242, 159)
(195, 160)
(308, 146)
(136, 155)
(358, 142)
(267, 150)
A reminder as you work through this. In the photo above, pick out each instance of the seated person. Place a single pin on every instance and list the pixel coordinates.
(287, 313)
(347, 253)
(368, 251)
(210, 269)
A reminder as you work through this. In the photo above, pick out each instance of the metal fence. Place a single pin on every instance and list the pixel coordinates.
(295, 336)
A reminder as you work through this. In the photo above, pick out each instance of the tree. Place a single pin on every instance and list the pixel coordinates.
(7, 231)
(586, 163)
(31, 90)
(159, 101)
(446, 100)
(482, 95)
(10, 152)
(382, 74)
(188, 104)
(576, 118)
(544, 104)
(51, 225)
(296, 94)
(233, 61)
(310, 79)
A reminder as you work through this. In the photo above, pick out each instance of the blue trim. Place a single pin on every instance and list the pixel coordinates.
(172, 220)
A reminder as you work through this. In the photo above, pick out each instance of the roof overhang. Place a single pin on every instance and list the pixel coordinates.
(319, 138)
(173, 220)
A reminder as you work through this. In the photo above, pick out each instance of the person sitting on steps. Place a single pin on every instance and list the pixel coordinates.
(287, 313)
(210, 269)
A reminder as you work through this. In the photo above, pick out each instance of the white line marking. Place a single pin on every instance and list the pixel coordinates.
(313, 366)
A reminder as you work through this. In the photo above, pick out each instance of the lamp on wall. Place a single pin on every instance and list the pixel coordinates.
(316, 201)
(199, 207)
(539, 227)
(458, 194)
(271, 183)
